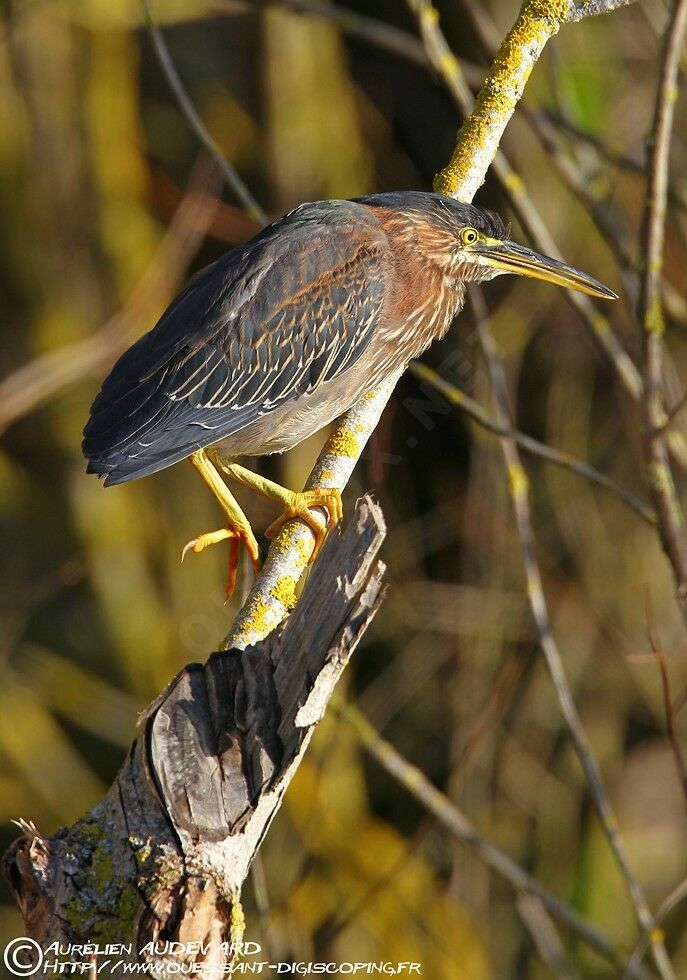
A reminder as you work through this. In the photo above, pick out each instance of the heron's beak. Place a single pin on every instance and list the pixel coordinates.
(507, 256)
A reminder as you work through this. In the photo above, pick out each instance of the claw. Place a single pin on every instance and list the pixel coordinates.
(198, 544)
(328, 498)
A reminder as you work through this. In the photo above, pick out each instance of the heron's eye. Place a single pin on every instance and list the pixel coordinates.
(468, 236)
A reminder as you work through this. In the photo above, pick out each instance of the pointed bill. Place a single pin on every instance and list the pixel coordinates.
(508, 256)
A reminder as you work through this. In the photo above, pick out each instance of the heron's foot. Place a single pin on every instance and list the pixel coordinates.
(236, 535)
(299, 504)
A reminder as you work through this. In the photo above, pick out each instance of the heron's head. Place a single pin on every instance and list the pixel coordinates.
(473, 245)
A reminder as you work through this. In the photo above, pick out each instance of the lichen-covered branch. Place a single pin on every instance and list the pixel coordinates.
(231, 175)
(480, 135)
(450, 71)
(477, 144)
(274, 593)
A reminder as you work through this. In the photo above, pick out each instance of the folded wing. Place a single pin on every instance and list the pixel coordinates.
(272, 320)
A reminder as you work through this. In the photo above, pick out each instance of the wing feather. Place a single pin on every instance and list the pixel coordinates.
(269, 322)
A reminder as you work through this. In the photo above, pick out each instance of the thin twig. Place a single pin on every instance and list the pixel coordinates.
(607, 223)
(650, 312)
(543, 932)
(655, 646)
(37, 382)
(677, 194)
(186, 106)
(518, 486)
(448, 68)
(678, 894)
(532, 446)
(451, 817)
(672, 413)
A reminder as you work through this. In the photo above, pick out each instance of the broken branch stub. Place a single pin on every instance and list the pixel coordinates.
(165, 853)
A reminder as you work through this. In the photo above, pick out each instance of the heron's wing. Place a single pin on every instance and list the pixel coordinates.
(271, 321)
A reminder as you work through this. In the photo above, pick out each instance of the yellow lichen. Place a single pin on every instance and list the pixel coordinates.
(286, 539)
(514, 182)
(256, 620)
(517, 479)
(237, 922)
(291, 538)
(343, 443)
(285, 591)
(537, 22)
(653, 321)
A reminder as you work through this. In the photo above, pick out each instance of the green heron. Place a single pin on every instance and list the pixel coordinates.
(284, 333)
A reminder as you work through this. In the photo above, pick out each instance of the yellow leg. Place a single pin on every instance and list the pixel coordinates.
(238, 529)
(295, 504)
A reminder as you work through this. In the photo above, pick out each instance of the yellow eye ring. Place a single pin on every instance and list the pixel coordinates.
(468, 236)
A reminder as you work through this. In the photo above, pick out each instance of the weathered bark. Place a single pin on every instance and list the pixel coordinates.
(164, 855)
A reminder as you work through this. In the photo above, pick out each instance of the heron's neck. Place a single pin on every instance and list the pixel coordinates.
(429, 290)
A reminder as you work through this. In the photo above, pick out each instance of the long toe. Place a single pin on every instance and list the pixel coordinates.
(237, 536)
(246, 538)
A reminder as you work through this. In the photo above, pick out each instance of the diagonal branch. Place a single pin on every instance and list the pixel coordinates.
(274, 592)
(449, 70)
(186, 106)
(530, 445)
(35, 383)
(477, 144)
(456, 822)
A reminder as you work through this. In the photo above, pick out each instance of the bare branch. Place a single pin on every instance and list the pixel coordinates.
(37, 382)
(518, 486)
(541, 928)
(448, 814)
(592, 8)
(677, 895)
(660, 659)
(231, 175)
(650, 312)
(532, 446)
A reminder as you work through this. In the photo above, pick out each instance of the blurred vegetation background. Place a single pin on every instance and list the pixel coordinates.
(107, 205)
